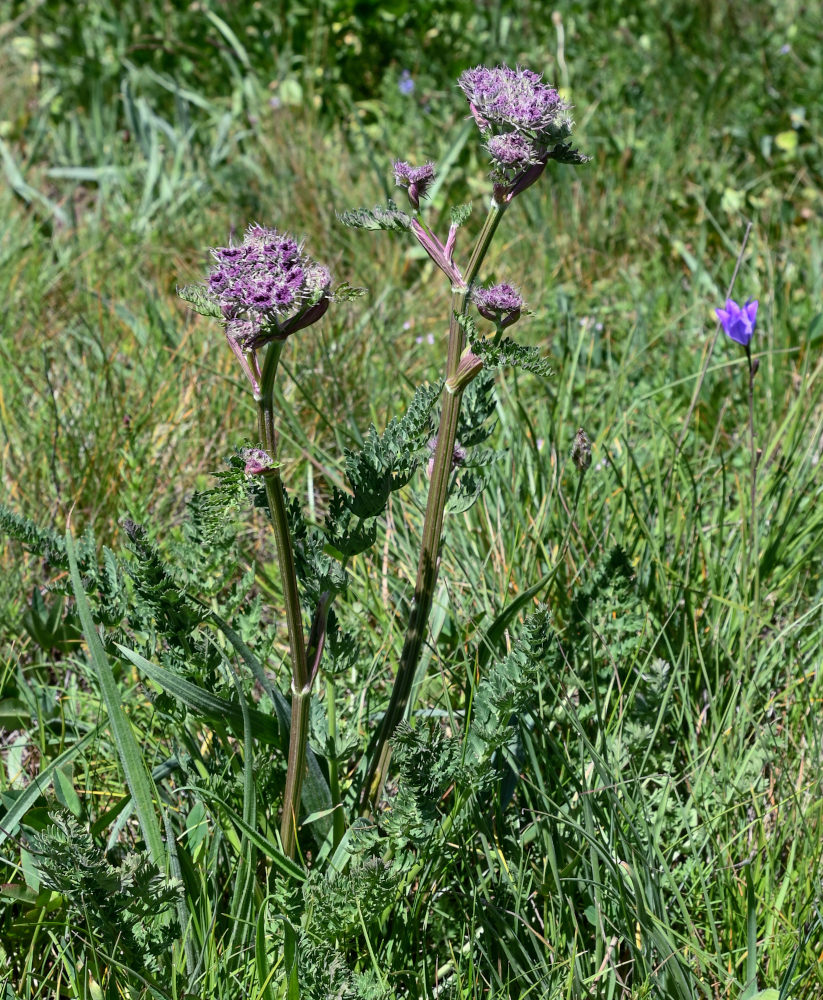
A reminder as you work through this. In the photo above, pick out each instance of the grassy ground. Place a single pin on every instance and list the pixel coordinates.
(664, 839)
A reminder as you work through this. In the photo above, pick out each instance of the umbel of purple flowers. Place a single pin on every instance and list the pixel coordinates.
(501, 304)
(739, 322)
(267, 288)
(524, 121)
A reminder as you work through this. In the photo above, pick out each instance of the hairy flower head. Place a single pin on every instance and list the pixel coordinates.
(524, 122)
(417, 179)
(258, 462)
(499, 303)
(739, 321)
(267, 287)
(513, 99)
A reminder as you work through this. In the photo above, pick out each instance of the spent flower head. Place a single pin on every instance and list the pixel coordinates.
(739, 321)
(581, 451)
(267, 287)
(417, 179)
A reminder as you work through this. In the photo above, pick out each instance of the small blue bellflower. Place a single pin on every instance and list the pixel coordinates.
(738, 321)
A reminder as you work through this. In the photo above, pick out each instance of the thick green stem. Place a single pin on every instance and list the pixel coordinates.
(428, 564)
(298, 742)
(285, 556)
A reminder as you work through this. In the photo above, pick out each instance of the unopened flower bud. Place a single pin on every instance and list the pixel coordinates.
(258, 462)
(468, 368)
(501, 304)
(581, 453)
(416, 179)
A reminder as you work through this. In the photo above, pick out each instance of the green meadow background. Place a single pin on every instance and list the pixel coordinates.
(672, 781)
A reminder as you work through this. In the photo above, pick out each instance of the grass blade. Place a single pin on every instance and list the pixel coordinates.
(131, 759)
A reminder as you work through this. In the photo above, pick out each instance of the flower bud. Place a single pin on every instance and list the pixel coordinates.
(417, 179)
(468, 368)
(501, 304)
(258, 462)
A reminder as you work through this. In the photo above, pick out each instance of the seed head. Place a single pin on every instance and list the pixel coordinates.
(581, 453)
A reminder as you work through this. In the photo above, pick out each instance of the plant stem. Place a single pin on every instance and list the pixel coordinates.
(301, 684)
(708, 350)
(338, 819)
(755, 458)
(428, 564)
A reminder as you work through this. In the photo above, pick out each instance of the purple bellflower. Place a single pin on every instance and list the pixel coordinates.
(524, 122)
(406, 83)
(739, 321)
(416, 179)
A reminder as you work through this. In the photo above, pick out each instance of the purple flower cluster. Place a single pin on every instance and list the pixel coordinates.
(499, 303)
(258, 462)
(267, 288)
(514, 100)
(523, 121)
(511, 152)
(406, 83)
(458, 455)
(417, 179)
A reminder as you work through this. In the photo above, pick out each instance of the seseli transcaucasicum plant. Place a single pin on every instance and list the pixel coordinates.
(266, 288)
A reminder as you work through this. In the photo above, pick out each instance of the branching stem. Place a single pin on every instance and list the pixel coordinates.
(428, 564)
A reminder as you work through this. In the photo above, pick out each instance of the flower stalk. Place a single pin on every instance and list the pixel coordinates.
(264, 290)
(739, 324)
(301, 679)
(428, 565)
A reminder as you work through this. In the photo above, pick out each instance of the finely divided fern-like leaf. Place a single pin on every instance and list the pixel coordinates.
(345, 292)
(460, 213)
(509, 354)
(389, 217)
(385, 463)
(198, 299)
(511, 685)
(479, 404)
